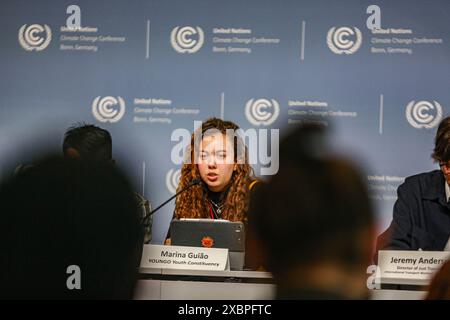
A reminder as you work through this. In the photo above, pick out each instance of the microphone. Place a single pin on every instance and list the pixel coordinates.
(194, 182)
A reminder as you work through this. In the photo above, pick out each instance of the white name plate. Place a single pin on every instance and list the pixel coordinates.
(185, 258)
(410, 267)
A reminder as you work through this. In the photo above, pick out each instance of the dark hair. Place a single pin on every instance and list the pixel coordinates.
(314, 209)
(91, 142)
(64, 212)
(441, 150)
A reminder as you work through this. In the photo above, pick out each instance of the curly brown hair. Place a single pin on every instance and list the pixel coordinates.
(194, 202)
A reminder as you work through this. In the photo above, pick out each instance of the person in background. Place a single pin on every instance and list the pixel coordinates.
(314, 221)
(91, 143)
(421, 218)
(69, 230)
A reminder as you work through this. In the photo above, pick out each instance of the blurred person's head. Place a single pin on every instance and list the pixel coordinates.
(315, 221)
(88, 142)
(63, 212)
(440, 285)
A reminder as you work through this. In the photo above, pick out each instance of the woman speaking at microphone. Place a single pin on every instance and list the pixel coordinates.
(218, 158)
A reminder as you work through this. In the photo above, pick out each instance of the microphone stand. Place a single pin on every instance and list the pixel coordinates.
(193, 183)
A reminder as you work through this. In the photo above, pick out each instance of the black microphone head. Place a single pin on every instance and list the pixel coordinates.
(195, 181)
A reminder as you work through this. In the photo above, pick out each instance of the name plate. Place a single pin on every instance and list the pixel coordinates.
(185, 258)
(410, 267)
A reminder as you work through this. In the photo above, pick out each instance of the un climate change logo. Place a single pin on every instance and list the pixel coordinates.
(344, 40)
(423, 114)
(34, 37)
(172, 180)
(108, 109)
(187, 39)
(262, 111)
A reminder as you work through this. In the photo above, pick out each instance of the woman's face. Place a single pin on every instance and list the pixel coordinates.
(216, 161)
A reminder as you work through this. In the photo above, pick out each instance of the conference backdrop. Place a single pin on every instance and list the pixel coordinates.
(376, 72)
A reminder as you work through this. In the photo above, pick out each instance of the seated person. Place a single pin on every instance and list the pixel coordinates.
(421, 218)
(91, 143)
(221, 162)
(314, 222)
(63, 213)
